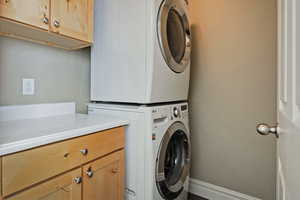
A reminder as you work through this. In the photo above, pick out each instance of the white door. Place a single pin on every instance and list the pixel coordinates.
(288, 146)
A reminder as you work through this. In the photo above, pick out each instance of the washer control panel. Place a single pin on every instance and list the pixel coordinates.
(180, 111)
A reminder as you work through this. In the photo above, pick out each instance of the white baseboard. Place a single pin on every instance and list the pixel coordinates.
(213, 192)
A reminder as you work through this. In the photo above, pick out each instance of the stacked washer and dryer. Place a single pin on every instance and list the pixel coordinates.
(140, 71)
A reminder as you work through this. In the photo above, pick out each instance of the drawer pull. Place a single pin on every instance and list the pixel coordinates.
(84, 151)
(89, 173)
(77, 180)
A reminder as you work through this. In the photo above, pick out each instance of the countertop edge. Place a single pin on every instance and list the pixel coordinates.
(27, 144)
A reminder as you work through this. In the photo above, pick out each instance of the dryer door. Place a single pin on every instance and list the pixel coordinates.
(173, 161)
(174, 34)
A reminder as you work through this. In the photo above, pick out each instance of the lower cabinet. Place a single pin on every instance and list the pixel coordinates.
(100, 179)
(103, 178)
(64, 187)
(85, 168)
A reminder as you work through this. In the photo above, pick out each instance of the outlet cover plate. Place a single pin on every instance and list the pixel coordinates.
(28, 86)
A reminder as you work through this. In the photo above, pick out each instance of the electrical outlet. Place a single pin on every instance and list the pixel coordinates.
(28, 86)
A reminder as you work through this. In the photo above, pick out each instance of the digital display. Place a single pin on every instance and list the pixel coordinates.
(184, 107)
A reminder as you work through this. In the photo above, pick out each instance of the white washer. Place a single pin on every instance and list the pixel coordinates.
(157, 149)
(141, 51)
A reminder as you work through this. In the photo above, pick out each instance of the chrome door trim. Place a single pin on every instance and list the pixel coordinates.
(162, 19)
(159, 172)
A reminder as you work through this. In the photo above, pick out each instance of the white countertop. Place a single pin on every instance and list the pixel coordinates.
(23, 134)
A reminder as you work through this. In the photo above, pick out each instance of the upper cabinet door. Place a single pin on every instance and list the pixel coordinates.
(73, 18)
(33, 12)
(104, 178)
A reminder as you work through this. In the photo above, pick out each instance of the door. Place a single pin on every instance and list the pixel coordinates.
(288, 107)
(73, 18)
(104, 178)
(33, 12)
(63, 187)
(174, 34)
(173, 161)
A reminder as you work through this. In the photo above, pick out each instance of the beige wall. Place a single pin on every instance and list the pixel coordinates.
(232, 89)
(60, 75)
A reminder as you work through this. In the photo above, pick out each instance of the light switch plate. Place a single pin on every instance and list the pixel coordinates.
(28, 86)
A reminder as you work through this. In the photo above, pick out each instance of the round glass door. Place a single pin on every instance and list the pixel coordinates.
(173, 161)
(174, 35)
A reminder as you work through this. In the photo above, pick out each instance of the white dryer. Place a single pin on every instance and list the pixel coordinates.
(141, 51)
(157, 149)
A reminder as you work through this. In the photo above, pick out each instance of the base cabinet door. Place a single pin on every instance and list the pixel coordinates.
(64, 187)
(104, 178)
(33, 12)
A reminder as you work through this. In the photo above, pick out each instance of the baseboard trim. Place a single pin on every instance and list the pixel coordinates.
(213, 192)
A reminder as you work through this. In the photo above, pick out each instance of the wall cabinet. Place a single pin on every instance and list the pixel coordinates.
(72, 18)
(85, 168)
(62, 23)
(33, 12)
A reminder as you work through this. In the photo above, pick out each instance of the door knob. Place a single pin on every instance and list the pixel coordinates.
(265, 129)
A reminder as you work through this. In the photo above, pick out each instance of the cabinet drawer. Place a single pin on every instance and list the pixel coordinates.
(23, 169)
(98, 145)
(63, 187)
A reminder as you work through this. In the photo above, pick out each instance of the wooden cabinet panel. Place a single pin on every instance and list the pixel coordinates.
(107, 179)
(101, 144)
(62, 187)
(73, 18)
(23, 169)
(32, 12)
(26, 168)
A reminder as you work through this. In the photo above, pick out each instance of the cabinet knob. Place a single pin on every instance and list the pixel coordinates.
(77, 180)
(46, 20)
(89, 173)
(56, 23)
(84, 151)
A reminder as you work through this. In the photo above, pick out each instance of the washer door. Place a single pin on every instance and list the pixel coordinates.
(174, 34)
(173, 161)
